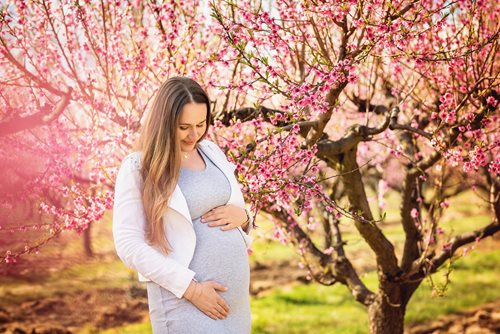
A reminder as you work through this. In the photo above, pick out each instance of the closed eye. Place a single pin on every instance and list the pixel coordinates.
(187, 127)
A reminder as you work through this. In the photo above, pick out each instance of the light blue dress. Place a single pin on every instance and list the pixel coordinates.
(219, 256)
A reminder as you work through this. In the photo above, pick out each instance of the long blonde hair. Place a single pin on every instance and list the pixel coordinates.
(161, 156)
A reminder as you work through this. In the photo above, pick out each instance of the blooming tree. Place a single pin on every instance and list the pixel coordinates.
(350, 95)
(76, 79)
(316, 102)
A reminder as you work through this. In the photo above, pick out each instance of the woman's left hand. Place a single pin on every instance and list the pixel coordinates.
(228, 216)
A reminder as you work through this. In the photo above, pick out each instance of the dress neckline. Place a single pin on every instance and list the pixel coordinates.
(204, 161)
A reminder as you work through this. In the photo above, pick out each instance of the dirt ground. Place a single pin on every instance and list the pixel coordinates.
(480, 320)
(67, 313)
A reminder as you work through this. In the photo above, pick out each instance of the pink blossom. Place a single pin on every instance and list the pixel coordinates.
(465, 250)
(491, 101)
(328, 251)
(494, 166)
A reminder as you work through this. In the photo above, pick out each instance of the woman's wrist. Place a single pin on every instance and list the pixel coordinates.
(191, 290)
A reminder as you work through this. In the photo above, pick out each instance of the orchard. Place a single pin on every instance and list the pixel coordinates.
(316, 102)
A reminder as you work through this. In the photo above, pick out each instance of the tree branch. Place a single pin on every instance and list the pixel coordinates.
(247, 114)
(43, 117)
(394, 126)
(365, 106)
(344, 269)
(41, 83)
(354, 134)
(456, 243)
(322, 120)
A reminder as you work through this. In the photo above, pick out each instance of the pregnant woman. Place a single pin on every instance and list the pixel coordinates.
(179, 219)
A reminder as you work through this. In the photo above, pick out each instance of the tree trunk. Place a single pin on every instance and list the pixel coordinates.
(384, 318)
(87, 242)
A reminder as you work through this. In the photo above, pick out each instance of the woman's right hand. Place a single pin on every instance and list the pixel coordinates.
(204, 296)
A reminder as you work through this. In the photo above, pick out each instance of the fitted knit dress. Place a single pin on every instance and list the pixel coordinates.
(219, 256)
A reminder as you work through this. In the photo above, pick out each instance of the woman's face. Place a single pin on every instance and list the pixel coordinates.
(192, 125)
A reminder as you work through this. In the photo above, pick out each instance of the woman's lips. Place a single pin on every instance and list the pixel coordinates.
(189, 142)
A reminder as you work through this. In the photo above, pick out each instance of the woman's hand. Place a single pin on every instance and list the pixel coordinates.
(204, 296)
(228, 216)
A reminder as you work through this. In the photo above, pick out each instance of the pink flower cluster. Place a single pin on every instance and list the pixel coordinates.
(447, 108)
(477, 158)
(80, 210)
(454, 156)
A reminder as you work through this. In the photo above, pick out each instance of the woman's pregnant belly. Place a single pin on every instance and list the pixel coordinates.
(219, 256)
(222, 256)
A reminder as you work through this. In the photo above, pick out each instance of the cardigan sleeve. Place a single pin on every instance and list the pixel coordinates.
(129, 236)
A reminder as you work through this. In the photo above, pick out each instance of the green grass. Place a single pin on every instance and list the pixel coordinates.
(308, 309)
(321, 310)
(264, 251)
(474, 281)
(265, 248)
(142, 328)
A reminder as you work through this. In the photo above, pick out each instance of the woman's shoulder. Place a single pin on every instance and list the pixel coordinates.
(205, 143)
(132, 161)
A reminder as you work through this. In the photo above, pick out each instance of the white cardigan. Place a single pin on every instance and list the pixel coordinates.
(169, 271)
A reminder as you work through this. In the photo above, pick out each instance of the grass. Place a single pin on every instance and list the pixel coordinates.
(141, 328)
(320, 309)
(267, 249)
(307, 309)
(474, 281)
(264, 251)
